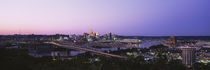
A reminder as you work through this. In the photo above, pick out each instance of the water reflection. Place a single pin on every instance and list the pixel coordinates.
(53, 51)
(40, 51)
(149, 43)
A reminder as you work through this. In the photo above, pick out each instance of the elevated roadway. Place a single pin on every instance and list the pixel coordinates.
(86, 49)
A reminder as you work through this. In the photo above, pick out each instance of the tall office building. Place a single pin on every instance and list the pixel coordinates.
(173, 40)
(110, 35)
(92, 33)
(85, 35)
(188, 55)
(97, 34)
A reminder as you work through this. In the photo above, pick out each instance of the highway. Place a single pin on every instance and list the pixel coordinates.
(86, 49)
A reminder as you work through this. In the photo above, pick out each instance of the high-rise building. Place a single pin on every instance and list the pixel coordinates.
(85, 35)
(110, 35)
(188, 55)
(97, 34)
(105, 36)
(173, 41)
(92, 33)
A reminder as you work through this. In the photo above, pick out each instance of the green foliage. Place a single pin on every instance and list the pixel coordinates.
(20, 60)
(199, 66)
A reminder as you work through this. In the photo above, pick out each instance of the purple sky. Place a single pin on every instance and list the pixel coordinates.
(123, 17)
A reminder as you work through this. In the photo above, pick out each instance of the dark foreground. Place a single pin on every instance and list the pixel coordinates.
(13, 59)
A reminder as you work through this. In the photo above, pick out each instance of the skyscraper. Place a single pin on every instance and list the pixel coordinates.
(97, 34)
(173, 40)
(85, 35)
(110, 35)
(92, 33)
(188, 55)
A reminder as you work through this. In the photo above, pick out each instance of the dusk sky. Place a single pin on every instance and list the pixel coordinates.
(123, 17)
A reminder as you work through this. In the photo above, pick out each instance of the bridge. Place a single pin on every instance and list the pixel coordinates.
(86, 49)
(114, 44)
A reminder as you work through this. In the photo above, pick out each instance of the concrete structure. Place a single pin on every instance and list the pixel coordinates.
(188, 55)
(68, 46)
(110, 36)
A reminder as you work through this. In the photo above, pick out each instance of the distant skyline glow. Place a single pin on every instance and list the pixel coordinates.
(123, 17)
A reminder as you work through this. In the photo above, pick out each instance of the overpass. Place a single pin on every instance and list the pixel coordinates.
(85, 49)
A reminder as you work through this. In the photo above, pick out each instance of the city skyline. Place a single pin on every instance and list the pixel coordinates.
(122, 17)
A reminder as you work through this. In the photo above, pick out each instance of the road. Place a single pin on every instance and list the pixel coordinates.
(86, 49)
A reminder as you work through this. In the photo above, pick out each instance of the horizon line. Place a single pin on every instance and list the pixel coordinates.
(102, 34)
